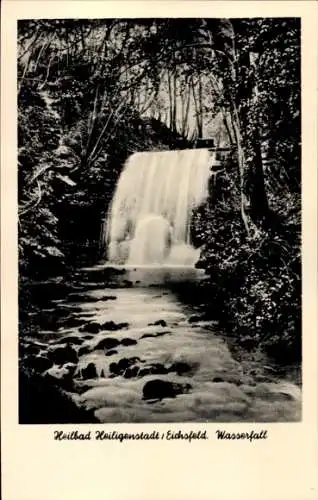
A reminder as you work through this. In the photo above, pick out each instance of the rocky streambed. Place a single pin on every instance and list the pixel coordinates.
(121, 346)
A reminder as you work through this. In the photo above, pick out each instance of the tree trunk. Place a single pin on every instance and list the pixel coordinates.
(254, 185)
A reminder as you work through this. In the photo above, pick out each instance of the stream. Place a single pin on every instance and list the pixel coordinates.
(125, 346)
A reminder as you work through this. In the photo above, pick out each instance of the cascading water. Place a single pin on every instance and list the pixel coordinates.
(150, 215)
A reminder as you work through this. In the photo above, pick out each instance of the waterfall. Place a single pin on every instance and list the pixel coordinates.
(150, 214)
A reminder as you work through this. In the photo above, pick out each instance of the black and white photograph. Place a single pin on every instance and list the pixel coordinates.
(159, 220)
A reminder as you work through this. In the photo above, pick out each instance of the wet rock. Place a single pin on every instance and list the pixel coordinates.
(107, 343)
(91, 328)
(159, 389)
(153, 335)
(110, 325)
(158, 369)
(71, 367)
(195, 318)
(30, 349)
(89, 372)
(81, 298)
(148, 336)
(218, 379)
(62, 355)
(112, 352)
(122, 365)
(160, 322)
(160, 334)
(127, 284)
(85, 349)
(70, 340)
(131, 372)
(71, 322)
(153, 369)
(128, 341)
(180, 367)
(38, 363)
(114, 369)
(62, 312)
(109, 297)
(143, 372)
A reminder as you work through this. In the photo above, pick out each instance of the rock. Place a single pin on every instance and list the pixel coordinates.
(85, 349)
(218, 379)
(122, 365)
(70, 340)
(114, 369)
(109, 297)
(71, 322)
(153, 335)
(127, 342)
(62, 355)
(158, 369)
(148, 336)
(127, 284)
(107, 343)
(91, 328)
(131, 372)
(71, 367)
(153, 369)
(110, 325)
(159, 389)
(30, 349)
(180, 367)
(89, 372)
(160, 334)
(144, 371)
(112, 352)
(38, 363)
(160, 322)
(41, 401)
(194, 318)
(74, 297)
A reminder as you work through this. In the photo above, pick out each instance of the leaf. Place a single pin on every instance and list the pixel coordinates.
(54, 252)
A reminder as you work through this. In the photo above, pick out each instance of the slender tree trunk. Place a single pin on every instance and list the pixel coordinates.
(249, 118)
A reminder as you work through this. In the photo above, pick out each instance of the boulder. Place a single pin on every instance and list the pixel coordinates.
(194, 318)
(91, 328)
(85, 349)
(38, 363)
(180, 367)
(89, 372)
(131, 372)
(62, 355)
(72, 339)
(159, 389)
(160, 322)
(128, 341)
(110, 325)
(122, 365)
(107, 343)
(111, 352)
(153, 369)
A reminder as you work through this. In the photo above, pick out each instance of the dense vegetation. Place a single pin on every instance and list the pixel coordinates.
(92, 92)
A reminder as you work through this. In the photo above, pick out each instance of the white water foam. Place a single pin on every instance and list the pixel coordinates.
(150, 215)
